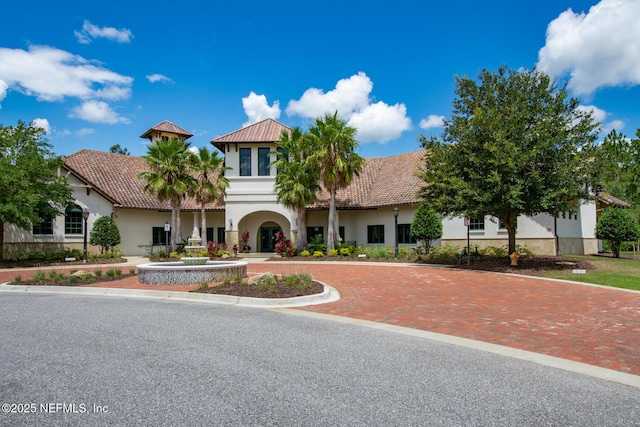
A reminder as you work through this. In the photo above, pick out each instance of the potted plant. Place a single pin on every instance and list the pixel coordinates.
(245, 242)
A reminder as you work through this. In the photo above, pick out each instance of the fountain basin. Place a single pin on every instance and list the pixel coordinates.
(195, 260)
(178, 273)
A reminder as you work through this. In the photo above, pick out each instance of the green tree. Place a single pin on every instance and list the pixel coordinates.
(334, 154)
(426, 226)
(169, 178)
(104, 233)
(515, 145)
(297, 180)
(617, 167)
(31, 190)
(211, 183)
(617, 225)
(117, 149)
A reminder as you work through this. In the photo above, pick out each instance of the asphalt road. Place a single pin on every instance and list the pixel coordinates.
(83, 360)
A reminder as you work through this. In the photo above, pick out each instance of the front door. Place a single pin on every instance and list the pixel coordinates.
(268, 239)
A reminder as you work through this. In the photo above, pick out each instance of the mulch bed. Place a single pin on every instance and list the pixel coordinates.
(530, 266)
(282, 290)
(31, 263)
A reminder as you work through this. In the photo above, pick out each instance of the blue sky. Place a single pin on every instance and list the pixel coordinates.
(96, 75)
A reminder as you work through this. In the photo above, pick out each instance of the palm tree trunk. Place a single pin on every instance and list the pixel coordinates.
(173, 229)
(331, 234)
(301, 243)
(203, 226)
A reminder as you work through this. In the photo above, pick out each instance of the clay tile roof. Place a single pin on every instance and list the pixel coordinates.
(608, 199)
(383, 181)
(167, 126)
(267, 130)
(115, 177)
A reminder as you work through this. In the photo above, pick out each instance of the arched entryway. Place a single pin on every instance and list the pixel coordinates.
(262, 227)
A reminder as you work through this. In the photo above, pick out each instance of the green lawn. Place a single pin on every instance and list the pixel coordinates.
(619, 273)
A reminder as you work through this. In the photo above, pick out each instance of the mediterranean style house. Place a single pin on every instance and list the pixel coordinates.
(106, 184)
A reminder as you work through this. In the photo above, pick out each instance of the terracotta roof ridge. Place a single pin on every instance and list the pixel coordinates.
(244, 128)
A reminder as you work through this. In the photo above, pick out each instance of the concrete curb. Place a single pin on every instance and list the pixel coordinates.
(330, 294)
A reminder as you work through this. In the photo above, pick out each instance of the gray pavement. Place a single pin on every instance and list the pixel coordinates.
(103, 360)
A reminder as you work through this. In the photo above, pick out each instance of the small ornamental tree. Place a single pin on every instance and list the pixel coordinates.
(105, 234)
(426, 226)
(617, 225)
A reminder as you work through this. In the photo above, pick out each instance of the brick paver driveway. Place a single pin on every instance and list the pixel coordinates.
(594, 325)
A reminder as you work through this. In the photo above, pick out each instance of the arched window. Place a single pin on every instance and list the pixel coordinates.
(73, 220)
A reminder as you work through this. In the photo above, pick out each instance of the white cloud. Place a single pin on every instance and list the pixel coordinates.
(3, 90)
(380, 122)
(153, 78)
(84, 131)
(349, 95)
(351, 98)
(257, 108)
(51, 74)
(432, 121)
(42, 123)
(600, 115)
(97, 112)
(90, 31)
(614, 124)
(598, 49)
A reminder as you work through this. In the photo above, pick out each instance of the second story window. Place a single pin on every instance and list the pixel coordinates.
(245, 162)
(263, 162)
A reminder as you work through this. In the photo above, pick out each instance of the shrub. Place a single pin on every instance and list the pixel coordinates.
(73, 280)
(299, 281)
(110, 273)
(499, 252)
(223, 252)
(426, 226)
(118, 272)
(283, 245)
(448, 252)
(333, 252)
(55, 276)
(17, 279)
(97, 273)
(346, 250)
(104, 233)
(403, 252)
(305, 253)
(38, 276)
(317, 244)
(174, 255)
(616, 226)
(267, 283)
(132, 271)
(318, 254)
(523, 251)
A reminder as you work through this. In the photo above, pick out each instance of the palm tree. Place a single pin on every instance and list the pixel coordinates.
(297, 181)
(169, 177)
(211, 182)
(334, 153)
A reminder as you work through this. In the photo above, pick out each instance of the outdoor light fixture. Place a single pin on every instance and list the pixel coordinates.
(167, 228)
(85, 216)
(395, 218)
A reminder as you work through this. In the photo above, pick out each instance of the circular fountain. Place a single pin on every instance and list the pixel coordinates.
(190, 270)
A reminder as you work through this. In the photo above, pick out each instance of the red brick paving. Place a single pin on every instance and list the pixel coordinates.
(594, 325)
